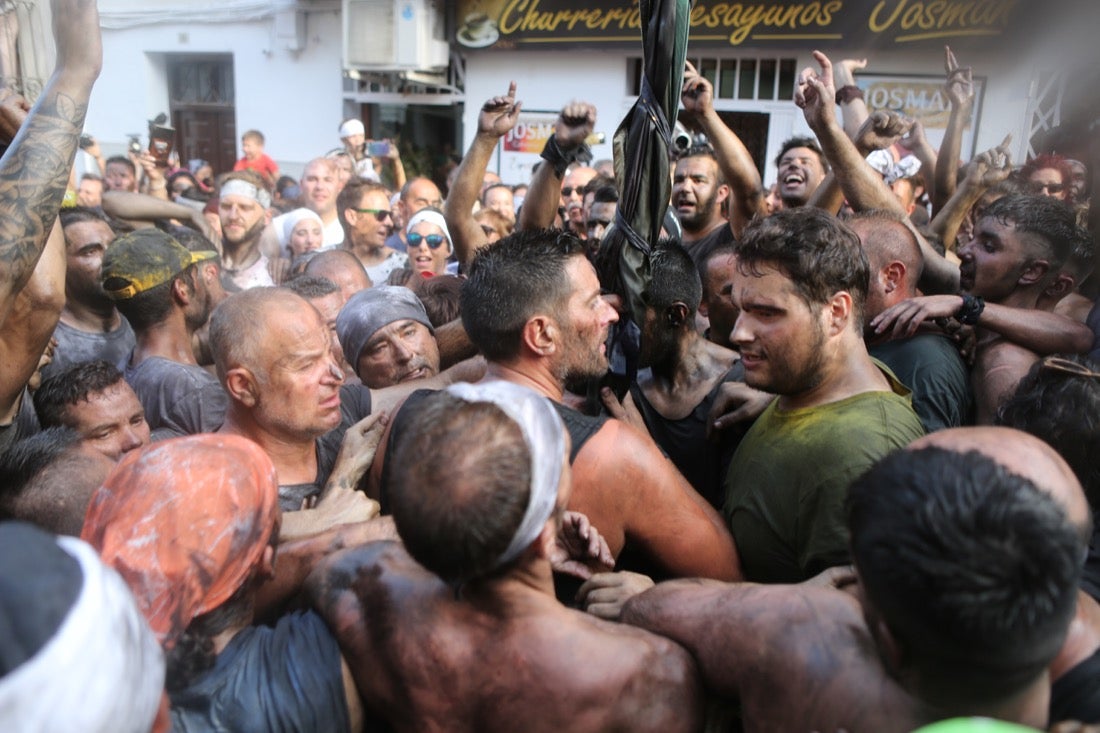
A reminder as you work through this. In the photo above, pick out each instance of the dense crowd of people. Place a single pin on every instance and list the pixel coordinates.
(368, 451)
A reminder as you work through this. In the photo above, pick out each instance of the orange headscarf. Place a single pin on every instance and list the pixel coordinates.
(185, 522)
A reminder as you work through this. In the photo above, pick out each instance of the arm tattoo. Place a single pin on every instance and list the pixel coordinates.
(34, 173)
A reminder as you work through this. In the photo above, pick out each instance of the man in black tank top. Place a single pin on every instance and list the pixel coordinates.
(681, 376)
(532, 305)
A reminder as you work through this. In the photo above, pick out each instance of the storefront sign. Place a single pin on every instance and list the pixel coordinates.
(866, 24)
(920, 98)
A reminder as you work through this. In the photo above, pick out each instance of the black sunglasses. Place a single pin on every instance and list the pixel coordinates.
(379, 214)
(434, 240)
(1049, 187)
(568, 190)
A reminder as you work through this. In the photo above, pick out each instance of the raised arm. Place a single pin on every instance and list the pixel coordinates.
(34, 171)
(960, 91)
(498, 116)
(862, 185)
(145, 208)
(917, 144)
(734, 159)
(30, 322)
(853, 110)
(567, 146)
(866, 190)
(986, 170)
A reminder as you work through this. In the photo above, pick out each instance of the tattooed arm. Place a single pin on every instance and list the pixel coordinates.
(35, 170)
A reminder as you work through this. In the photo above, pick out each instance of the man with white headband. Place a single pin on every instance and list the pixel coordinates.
(77, 654)
(472, 585)
(243, 207)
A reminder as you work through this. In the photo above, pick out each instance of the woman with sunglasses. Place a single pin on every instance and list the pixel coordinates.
(429, 242)
(1049, 174)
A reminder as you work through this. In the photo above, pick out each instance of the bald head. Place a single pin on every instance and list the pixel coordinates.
(341, 267)
(420, 193)
(1023, 455)
(241, 324)
(894, 256)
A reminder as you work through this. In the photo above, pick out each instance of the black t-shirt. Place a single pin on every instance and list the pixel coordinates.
(700, 248)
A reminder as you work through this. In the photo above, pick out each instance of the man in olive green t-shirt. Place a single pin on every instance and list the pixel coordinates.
(801, 279)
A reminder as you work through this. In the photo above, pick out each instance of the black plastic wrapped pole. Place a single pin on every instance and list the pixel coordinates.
(641, 145)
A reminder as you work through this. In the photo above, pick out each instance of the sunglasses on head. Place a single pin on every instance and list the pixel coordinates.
(379, 214)
(1048, 187)
(1067, 366)
(434, 240)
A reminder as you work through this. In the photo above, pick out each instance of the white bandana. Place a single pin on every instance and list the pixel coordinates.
(544, 434)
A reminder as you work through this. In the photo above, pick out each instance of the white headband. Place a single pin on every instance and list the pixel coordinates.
(352, 127)
(544, 434)
(432, 217)
(291, 220)
(237, 187)
(102, 671)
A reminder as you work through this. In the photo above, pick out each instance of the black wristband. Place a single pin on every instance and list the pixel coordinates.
(562, 159)
(847, 93)
(970, 310)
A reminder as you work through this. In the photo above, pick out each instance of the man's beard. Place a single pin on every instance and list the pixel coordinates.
(252, 235)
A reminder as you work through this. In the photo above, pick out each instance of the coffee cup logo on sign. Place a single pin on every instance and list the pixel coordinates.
(479, 30)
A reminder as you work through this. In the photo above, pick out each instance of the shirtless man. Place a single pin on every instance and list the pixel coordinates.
(533, 307)
(471, 638)
(1019, 251)
(1020, 248)
(889, 655)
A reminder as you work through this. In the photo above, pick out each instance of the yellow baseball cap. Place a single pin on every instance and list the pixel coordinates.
(143, 259)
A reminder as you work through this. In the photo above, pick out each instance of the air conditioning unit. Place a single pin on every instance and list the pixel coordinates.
(391, 35)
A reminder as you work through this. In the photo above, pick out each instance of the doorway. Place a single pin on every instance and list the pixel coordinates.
(201, 95)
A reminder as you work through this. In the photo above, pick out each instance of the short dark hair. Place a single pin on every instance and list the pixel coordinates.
(75, 383)
(311, 286)
(799, 141)
(814, 249)
(123, 160)
(70, 215)
(1061, 407)
(511, 280)
(27, 458)
(605, 194)
(1050, 222)
(351, 195)
(674, 278)
(891, 240)
(598, 182)
(705, 151)
(152, 306)
(441, 296)
(484, 193)
(973, 569)
(457, 510)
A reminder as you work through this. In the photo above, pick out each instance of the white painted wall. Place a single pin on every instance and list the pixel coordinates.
(295, 99)
(548, 80)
